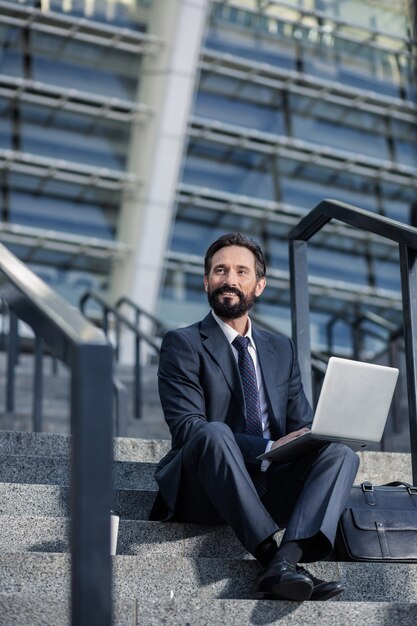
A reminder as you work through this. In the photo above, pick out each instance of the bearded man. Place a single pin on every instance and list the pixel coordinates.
(231, 392)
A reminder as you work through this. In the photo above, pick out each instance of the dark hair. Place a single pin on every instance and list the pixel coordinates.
(236, 239)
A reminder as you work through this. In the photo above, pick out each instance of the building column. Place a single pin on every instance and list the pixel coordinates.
(167, 82)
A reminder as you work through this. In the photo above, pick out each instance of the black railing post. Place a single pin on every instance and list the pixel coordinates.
(394, 361)
(122, 408)
(137, 384)
(12, 347)
(357, 341)
(300, 312)
(37, 386)
(408, 267)
(105, 322)
(329, 334)
(91, 464)
(117, 336)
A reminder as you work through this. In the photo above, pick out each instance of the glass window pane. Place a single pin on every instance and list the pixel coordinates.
(68, 136)
(11, 56)
(80, 65)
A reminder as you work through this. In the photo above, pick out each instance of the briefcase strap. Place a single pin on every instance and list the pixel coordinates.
(369, 493)
(382, 537)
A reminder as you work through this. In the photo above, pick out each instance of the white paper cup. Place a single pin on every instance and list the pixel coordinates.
(114, 531)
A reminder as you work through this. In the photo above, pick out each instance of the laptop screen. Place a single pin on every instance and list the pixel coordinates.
(355, 400)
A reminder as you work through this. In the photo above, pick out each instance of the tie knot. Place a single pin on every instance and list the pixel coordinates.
(240, 343)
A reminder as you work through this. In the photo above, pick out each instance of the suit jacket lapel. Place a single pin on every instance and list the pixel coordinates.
(216, 344)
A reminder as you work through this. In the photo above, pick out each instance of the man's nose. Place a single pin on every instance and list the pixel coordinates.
(230, 279)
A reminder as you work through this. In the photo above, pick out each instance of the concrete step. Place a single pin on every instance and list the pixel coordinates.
(249, 612)
(24, 609)
(56, 444)
(378, 467)
(201, 612)
(18, 443)
(54, 501)
(51, 534)
(384, 467)
(21, 609)
(55, 471)
(164, 579)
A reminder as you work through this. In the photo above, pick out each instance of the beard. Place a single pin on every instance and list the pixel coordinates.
(224, 309)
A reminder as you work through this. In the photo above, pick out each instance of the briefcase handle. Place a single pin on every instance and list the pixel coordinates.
(368, 486)
(397, 483)
(369, 492)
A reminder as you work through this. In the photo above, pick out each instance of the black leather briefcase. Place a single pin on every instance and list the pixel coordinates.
(379, 524)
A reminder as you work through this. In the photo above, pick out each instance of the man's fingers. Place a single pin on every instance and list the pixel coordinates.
(293, 435)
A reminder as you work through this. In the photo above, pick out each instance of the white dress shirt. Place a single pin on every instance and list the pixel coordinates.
(231, 334)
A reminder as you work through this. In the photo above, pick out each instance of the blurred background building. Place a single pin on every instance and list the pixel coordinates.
(134, 132)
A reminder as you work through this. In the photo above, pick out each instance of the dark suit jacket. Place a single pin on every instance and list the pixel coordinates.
(199, 382)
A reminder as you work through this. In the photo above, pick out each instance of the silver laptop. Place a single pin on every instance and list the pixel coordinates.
(353, 407)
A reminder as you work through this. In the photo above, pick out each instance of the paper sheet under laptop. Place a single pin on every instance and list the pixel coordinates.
(353, 407)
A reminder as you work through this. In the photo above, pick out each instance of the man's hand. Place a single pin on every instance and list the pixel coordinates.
(289, 437)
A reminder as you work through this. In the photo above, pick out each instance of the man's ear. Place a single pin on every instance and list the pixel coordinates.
(205, 281)
(260, 286)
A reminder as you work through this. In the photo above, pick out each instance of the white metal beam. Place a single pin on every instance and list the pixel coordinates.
(46, 168)
(167, 86)
(73, 100)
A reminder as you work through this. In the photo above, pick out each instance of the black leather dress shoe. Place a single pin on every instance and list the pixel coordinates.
(323, 590)
(281, 581)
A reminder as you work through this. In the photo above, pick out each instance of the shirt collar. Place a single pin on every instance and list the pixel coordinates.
(231, 333)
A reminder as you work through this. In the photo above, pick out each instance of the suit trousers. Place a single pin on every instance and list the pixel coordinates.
(306, 496)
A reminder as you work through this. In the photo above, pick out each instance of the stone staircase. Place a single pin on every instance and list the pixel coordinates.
(165, 573)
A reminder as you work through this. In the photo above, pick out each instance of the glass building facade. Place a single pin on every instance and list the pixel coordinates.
(291, 102)
(69, 73)
(296, 102)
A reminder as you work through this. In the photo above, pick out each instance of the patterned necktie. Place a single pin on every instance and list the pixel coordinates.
(253, 407)
(250, 386)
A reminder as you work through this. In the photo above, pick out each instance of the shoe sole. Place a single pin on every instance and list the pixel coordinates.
(327, 595)
(294, 591)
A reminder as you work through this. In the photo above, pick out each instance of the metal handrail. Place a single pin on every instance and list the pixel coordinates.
(392, 350)
(160, 328)
(14, 344)
(139, 335)
(87, 352)
(110, 309)
(354, 324)
(406, 238)
(359, 331)
(392, 334)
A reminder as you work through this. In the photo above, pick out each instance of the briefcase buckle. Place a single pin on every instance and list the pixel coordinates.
(368, 487)
(412, 491)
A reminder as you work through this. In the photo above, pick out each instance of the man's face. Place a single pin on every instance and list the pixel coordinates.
(231, 284)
